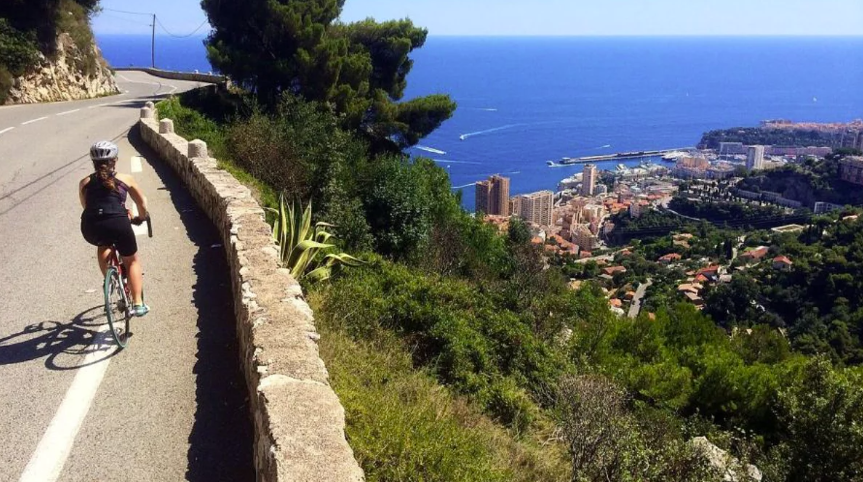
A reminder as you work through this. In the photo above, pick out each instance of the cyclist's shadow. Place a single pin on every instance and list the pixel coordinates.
(63, 344)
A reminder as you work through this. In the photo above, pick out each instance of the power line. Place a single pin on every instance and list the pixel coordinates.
(162, 26)
(136, 22)
(158, 22)
(127, 12)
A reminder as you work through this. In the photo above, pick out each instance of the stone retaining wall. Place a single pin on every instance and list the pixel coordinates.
(298, 419)
(174, 75)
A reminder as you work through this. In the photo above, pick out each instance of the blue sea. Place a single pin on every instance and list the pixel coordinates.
(525, 101)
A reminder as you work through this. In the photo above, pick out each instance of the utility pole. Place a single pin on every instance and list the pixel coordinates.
(153, 44)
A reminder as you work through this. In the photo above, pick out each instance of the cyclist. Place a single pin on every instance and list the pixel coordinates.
(106, 222)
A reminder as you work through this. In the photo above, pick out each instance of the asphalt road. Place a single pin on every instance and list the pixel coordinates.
(172, 405)
(635, 308)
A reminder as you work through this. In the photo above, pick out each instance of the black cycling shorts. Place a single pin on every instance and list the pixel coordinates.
(110, 231)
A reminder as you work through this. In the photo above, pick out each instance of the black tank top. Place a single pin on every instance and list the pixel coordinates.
(102, 201)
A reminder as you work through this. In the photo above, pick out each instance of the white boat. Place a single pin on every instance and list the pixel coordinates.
(674, 156)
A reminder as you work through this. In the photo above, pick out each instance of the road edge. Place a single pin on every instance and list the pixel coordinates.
(298, 420)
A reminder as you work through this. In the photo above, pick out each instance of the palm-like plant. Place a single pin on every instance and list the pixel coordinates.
(303, 249)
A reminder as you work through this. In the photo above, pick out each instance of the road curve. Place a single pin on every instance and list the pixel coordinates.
(72, 408)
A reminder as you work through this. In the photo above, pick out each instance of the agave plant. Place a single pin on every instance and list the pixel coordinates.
(303, 249)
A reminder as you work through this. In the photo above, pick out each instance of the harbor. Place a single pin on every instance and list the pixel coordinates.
(623, 156)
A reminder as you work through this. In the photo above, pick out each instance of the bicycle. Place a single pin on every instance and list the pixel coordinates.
(118, 299)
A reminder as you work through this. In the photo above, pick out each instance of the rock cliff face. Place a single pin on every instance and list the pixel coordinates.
(72, 75)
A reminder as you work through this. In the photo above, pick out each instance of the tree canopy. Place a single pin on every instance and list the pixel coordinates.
(359, 70)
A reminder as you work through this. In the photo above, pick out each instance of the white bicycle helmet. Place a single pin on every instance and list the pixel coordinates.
(104, 151)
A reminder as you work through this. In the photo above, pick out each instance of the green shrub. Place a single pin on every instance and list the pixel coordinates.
(403, 426)
(396, 207)
(73, 19)
(17, 52)
(191, 124)
(6, 82)
(511, 405)
(296, 150)
(17, 49)
(479, 349)
(821, 409)
(403, 199)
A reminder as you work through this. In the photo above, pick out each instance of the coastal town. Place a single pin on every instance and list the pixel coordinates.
(575, 225)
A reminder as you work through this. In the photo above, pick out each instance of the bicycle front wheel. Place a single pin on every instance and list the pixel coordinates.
(117, 307)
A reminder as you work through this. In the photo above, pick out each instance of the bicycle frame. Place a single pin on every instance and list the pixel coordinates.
(116, 276)
(116, 261)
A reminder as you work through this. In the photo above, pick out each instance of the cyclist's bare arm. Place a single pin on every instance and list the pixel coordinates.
(81, 196)
(136, 193)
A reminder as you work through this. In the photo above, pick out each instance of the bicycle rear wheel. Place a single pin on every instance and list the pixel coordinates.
(117, 307)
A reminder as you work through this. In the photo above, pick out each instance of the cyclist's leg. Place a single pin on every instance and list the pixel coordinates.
(127, 247)
(102, 255)
(136, 277)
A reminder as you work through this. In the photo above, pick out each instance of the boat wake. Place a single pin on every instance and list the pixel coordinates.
(467, 136)
(432, 150)
(447, 161)
(466, 185)
(607, 146)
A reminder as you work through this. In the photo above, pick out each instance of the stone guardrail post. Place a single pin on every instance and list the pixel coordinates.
(197, 149)
(166, 126)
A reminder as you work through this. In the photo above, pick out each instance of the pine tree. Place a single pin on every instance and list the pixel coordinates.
(358, 70)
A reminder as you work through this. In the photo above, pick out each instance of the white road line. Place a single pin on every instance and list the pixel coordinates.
(6, 130)
(137, 165)
(50, 456)
(34, 120)
(139, 230)
(68, 112)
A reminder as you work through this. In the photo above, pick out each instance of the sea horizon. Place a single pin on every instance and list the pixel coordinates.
(526, 100)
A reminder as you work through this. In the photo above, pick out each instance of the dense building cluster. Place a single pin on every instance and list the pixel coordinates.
(852, 170)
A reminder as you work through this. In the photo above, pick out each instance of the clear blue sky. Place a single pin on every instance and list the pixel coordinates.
(550, 17)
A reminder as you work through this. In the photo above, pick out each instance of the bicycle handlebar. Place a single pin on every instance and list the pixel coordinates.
(138, 220)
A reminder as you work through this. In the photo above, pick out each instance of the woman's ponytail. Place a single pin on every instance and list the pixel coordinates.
(105, 173)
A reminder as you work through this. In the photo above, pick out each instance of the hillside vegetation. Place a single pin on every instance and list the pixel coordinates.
(769, 137)
(29, 30)
(816, 301)
(816, 180)
(458, 352)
